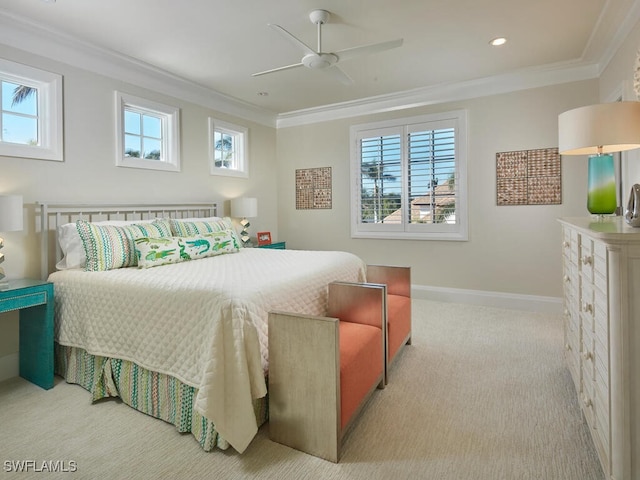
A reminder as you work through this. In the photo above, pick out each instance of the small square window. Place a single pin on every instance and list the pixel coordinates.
(30, 112)
(147, 134)
(228, 149)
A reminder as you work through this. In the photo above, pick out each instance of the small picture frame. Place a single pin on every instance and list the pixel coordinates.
(264, 238)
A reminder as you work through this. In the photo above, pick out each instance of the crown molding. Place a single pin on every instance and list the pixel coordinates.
(37, 39)
(612, 28)
(22, 34)
(482, 87)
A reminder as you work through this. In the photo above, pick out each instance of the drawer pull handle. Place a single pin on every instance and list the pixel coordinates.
(567, 347)
(587, 401)
(587, 307)
(566, 244)
(587, 355)
(587, 260)
(567, 279)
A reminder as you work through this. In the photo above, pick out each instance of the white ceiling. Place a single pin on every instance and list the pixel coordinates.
(218, 44)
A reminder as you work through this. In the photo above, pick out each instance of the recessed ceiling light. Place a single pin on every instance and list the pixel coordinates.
(496, 42)
(263, 94)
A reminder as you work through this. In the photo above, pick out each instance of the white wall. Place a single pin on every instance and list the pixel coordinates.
(512, 250)
(617, 80)
(88, 173)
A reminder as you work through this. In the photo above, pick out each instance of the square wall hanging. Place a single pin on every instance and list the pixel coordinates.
(313, 188)
(529, 177)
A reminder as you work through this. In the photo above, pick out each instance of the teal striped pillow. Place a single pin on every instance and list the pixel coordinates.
(108, 247)
(191, 227)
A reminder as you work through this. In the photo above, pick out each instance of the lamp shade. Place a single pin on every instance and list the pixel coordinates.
(244, 207)
(10, 213)
(601, 128)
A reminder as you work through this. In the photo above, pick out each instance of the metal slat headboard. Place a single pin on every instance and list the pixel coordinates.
(53, 215)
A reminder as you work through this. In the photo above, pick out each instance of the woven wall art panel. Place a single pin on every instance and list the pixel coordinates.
(529, 177)
(313, 188)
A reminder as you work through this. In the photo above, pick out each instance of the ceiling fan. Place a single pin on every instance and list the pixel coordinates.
(327, 62)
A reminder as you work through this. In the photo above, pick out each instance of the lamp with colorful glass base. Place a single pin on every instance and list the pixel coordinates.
(601, 196)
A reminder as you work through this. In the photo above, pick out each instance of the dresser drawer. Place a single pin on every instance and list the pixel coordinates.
(602, 376)
(601, 422)
(570, 280)
(601, 324)
(587, 352)
(574, 247)
(600, 259)
(566, 244)
(587, 306)
(572, 339)
(587, 399)
(600, 283)
(19, 301)
(586, 258)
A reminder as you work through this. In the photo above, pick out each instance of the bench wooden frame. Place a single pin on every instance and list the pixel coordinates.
(304, 369)
(398, 283)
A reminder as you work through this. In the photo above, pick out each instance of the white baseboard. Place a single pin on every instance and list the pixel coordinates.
(530, 303)
(9, 366)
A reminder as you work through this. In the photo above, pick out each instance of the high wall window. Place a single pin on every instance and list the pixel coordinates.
(147, 134)
(228, 149)
(409, 178)
(30, 112)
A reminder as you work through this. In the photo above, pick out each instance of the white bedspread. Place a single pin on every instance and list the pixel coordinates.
(203, 322)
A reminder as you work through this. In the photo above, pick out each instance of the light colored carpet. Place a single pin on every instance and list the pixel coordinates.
(482, 393)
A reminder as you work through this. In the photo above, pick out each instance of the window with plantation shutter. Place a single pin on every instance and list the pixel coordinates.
(409, 178)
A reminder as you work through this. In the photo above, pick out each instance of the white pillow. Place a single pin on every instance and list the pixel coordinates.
(73, 254)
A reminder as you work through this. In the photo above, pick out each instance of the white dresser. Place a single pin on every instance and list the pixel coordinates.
(602, 335)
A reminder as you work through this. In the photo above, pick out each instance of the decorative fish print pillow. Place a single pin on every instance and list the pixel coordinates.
(152, 252)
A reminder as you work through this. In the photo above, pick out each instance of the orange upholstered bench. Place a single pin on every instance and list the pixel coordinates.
(398, 282)
(322, 370)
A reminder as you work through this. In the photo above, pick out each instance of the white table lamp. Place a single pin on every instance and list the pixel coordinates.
(244, 208)
(10, 221)
(599, 130)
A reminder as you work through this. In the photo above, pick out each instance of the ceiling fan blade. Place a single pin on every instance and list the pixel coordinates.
(337, 73)
(287, 67)
(348, 53)
(297, 42)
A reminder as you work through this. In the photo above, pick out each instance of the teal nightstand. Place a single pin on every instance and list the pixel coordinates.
(34, 299)
(276, 246)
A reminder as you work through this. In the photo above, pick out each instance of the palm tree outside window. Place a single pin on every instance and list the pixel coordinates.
(228, 149)
(19, 107)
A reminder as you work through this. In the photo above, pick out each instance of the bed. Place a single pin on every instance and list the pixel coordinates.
(185, 341)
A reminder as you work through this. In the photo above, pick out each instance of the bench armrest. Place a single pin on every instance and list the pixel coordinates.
(397, 279)
(304, 395)
(358, 303)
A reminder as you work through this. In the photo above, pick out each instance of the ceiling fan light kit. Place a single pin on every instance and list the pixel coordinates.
(326, 61)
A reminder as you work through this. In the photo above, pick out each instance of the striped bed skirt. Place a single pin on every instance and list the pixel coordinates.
(156, 394)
